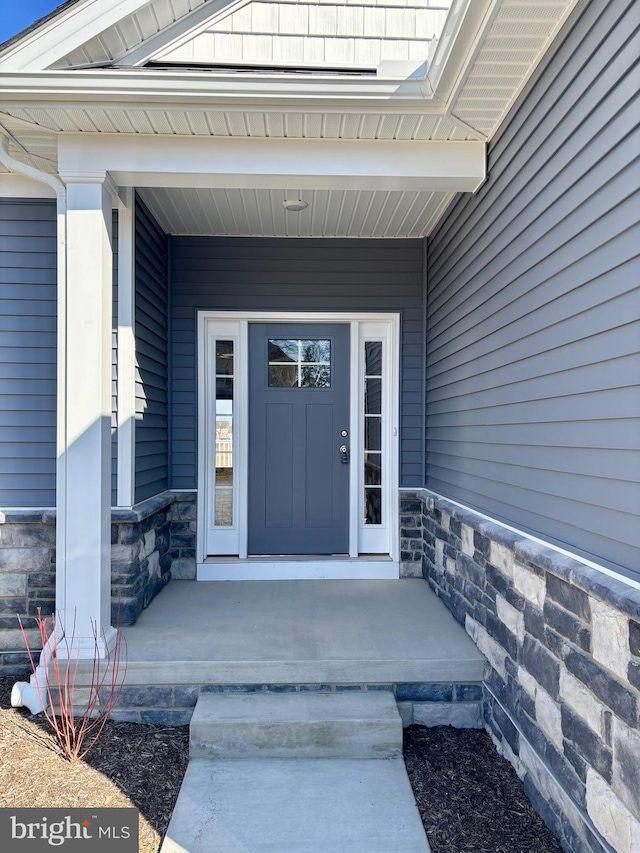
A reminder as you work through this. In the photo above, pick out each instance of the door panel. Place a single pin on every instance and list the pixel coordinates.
(298, 406)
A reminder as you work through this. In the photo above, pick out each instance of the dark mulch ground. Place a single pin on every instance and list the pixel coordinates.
(130, 765)
(470, 799)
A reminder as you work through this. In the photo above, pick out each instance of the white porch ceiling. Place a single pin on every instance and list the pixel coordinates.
(259, 212)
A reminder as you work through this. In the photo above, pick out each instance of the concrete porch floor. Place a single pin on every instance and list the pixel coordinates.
(297, 632)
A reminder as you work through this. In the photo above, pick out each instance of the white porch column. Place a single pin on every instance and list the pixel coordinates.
(83, 573)
(126, 348)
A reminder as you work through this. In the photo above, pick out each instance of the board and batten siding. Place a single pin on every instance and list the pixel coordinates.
(273, 274)
(28, 273)
(533, 308)
(151, 332)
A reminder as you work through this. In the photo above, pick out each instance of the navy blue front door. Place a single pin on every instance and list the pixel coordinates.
(298, 410)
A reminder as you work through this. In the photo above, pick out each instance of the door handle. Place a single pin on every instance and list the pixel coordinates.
(344, 454)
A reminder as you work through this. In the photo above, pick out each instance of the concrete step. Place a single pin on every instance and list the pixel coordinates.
(296, 725)
(296, 806)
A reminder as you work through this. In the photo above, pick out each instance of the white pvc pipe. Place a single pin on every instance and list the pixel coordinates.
(26, 693)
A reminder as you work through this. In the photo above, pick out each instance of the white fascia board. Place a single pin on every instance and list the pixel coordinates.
(180, 31)
(464, 29)
(165, 161)
(19, 186)
(66, 32)
(123, 88)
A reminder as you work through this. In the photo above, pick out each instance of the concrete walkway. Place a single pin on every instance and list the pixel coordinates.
(296, 773)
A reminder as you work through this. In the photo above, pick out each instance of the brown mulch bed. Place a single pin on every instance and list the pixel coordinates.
(130, 765)
(470, 799)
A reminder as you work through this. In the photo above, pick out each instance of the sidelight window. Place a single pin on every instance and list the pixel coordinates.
(373, 477)
(224, 452)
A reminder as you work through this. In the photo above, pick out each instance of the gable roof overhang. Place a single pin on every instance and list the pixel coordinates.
(461, 100)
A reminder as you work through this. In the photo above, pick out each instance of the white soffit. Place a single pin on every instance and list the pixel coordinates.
(239, 123)
(516, 34)
(259, 212)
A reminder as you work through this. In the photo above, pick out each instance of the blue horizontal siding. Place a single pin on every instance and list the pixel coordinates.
(151, 330)
(28, 352)
(533, 405)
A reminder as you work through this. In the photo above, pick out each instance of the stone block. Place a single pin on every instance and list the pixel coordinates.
(424, 692)
(502, 558)
(499, 631)
(512, 618)
(467, 692)
(633, 674)
(610, 816)
(25, 559)
(610, 691)
(494, 653)
(460, 715)
(181, 511)
(166, 716)
(634, 637)
(153, 564)
(232, 688)
(466, 535)
(581, 700)
(508, 732)
(405, 709)
(496, 579)
(149, 542)
(411, 569)
(569, 596)
(13, 583)
(587, 743)
(183, 569)
(567, 625)
(530, 585)
(541, 665)
(467, 567)
(626, 765)
(125, 553)
(527, 681)
(610, 638)
(34, 535)
(548, 789)
(549, 718)
(145, 696)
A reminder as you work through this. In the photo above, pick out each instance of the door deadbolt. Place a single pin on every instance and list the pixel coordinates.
(344, 433)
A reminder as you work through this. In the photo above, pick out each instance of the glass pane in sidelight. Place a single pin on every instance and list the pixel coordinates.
(224, 358)
(373, 469)
(224, 388)
(284, 351)
(283, 375)
(373, 396)
(315, 376)
(373, 433)
(224, 507)
(373, 358)
(373, 506)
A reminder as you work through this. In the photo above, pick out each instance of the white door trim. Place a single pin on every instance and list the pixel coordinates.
(233, 540)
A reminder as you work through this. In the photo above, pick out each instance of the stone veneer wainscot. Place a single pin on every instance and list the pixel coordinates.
(562, 686)
(150, 543)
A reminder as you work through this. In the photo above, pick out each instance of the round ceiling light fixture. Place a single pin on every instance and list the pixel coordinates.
(295, 204)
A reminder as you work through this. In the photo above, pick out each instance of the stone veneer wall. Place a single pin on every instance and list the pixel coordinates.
(562, 689)
(149, 543)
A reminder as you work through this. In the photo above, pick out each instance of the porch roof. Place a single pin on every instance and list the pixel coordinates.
(476, 68)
